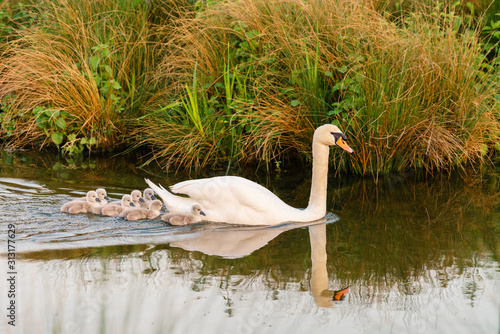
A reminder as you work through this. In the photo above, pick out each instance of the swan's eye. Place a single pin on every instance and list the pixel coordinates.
(338, 135)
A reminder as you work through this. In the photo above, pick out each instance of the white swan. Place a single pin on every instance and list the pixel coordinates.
(236, 200)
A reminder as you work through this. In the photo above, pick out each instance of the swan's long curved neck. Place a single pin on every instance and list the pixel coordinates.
(317, 198)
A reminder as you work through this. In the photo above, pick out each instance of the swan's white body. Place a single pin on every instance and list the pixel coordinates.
(236, 200)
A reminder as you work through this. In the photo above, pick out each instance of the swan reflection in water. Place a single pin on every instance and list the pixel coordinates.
(237, 242)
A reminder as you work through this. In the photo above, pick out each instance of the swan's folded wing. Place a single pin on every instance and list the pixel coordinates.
(172, 202)
(230, 193)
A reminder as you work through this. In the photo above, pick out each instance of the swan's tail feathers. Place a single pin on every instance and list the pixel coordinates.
(172, 202)
(160, 191)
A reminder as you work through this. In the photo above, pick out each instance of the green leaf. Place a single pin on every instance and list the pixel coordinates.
(295, 103)
(116, 85)
(60, 123)
(471, 7)
(108, 69)
(94, 62)
(342, 69)
(53, 113)
(72, 137)
(57, 138)
(92, 141)
(105, 51)
(41, 122)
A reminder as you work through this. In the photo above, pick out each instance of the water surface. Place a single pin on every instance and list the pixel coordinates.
(420, 255)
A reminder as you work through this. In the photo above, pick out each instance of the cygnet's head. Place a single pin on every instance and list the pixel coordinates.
(127, 201)
(92, 197)
(102, 195)
(331, 135)
(137, 196)
(149, 194)
(156, 205)
(197, 210)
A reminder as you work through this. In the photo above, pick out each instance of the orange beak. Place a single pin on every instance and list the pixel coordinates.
(341, 142)
(340, 295)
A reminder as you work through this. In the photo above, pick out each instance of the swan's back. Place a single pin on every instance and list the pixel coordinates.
(231, 188)
(233, 198)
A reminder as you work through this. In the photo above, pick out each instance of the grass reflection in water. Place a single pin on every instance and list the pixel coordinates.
(420, 256)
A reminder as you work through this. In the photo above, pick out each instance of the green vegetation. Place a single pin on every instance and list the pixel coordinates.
(237, 82)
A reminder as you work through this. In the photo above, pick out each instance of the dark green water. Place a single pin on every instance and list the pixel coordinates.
(421, 256)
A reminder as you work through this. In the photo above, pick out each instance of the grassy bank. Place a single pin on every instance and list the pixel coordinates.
(228, 82)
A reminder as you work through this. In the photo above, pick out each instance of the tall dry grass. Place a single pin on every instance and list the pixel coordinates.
(89, 60)
(424, 98)
(408, 93)
(237, 82)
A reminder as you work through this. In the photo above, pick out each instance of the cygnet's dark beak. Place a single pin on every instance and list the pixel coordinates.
(141, 200)
(153, 197)
(132, 204)
(98, 200)
(202, 213)
(106, 198)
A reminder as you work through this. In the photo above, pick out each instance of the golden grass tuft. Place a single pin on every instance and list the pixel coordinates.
(249, 81)
(86, 59)
(408, 93)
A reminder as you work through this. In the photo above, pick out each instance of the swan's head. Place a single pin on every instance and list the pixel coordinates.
(92, 197)
(198, 211)
(330, 135)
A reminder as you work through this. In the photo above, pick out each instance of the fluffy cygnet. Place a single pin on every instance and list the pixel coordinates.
(136, 199)
(91, 204)
(143, 213)
(148, 196)
(101, 194)
(114, 210)
(184, 218)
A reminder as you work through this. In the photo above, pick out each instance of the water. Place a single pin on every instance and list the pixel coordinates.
(420, 257)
